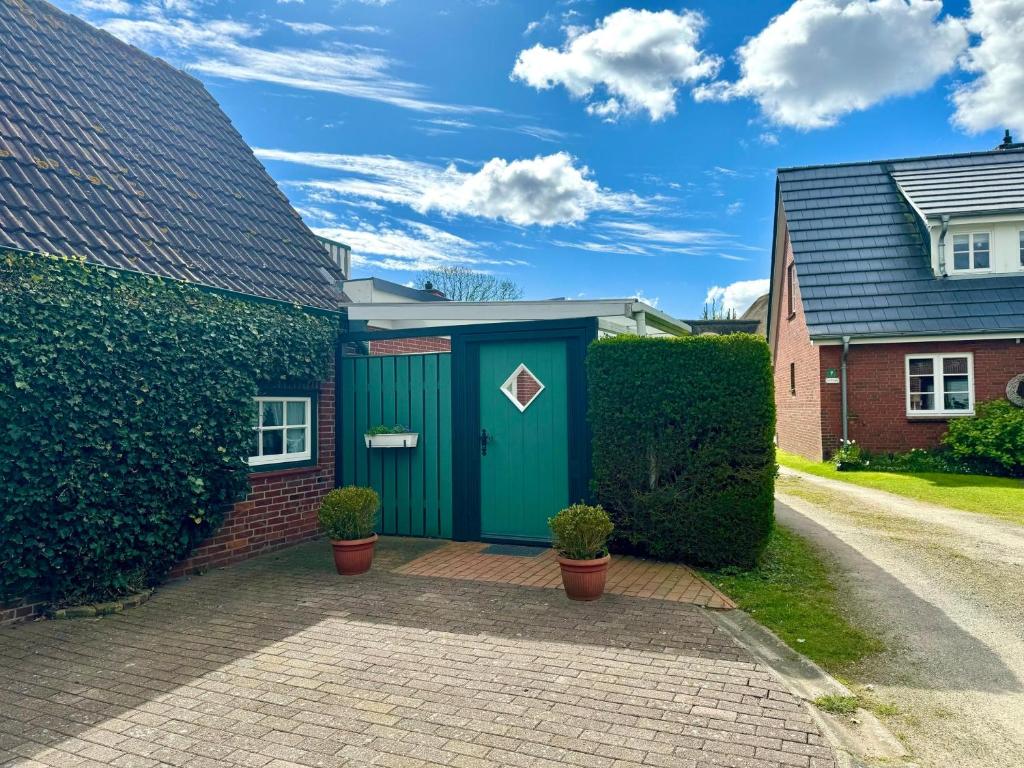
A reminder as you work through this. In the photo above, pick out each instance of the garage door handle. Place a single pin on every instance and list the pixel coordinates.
(484, 438)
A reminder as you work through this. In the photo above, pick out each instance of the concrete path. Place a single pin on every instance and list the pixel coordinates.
(946, 590)
(281, 663)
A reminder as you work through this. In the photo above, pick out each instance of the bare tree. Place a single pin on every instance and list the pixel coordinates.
(464, 284)
(716, 311)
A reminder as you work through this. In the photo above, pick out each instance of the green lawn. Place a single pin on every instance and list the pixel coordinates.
(792, 594)
(997, 496)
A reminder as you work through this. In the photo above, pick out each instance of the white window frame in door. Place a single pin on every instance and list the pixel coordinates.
(508, 387)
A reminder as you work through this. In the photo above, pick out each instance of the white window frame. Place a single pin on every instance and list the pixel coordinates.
(282, 458)
(940, 384)
(1020, 249)
(970, 251)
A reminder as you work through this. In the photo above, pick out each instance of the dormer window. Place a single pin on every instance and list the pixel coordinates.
(972, 252)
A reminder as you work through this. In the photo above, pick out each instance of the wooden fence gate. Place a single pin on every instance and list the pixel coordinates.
(415, 486)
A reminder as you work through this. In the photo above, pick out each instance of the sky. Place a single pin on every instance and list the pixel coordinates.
(581, 148)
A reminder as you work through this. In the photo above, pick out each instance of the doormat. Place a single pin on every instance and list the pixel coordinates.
(515, 550)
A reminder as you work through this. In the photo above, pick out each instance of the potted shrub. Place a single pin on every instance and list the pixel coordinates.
(581, 540)
(347, 516)
(397, 436)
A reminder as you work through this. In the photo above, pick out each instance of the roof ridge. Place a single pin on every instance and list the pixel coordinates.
(889, 161)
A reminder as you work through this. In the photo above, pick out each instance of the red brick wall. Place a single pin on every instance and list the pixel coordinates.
(799, 415)
(19, 610)
(877, 391)
(410, 346)
(281, 506)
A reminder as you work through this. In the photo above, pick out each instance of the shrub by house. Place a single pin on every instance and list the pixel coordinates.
(683, 455)
(128, 402)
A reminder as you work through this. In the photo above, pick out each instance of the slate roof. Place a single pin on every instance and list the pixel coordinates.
(862, 255)
(113, 155)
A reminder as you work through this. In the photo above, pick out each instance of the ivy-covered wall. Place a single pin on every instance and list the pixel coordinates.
(683, 451)
(127, 409)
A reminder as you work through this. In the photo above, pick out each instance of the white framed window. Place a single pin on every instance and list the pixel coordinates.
(1020, 250)
(283, 431)
(940, 385)
(972, 252)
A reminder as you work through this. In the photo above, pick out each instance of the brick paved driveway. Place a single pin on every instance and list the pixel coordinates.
(279, 662)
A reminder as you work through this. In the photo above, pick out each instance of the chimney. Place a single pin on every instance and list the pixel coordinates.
(1008, 142)
(429, 288)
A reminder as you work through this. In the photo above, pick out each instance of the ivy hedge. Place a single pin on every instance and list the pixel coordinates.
(683, 453)
(126, 404)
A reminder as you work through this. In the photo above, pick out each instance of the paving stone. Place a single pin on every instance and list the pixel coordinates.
(280, 662)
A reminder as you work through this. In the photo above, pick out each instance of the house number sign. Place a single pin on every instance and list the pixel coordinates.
(1015, 390)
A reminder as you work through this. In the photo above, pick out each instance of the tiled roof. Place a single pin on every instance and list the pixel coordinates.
(113, 155)
(862, 257)
(963, 188)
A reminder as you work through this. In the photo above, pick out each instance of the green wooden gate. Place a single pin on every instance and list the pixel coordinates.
(415, 484)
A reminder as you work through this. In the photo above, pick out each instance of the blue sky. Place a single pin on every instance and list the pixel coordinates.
(582, 148)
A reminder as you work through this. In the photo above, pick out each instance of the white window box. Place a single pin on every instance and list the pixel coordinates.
(399, 440)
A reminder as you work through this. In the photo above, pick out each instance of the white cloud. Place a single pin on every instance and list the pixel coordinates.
(544, 190)
(105, 6)
(408, 246)
(995, 99)
(308, 28)
(638, 57)
(370, 29)
(220, 48)
(823, 59)
(737, 296)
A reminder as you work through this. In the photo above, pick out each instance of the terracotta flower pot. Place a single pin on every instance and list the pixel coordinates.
(353, 557)
(584, 579)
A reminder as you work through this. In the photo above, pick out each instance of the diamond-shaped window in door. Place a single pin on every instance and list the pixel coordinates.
(522, 387)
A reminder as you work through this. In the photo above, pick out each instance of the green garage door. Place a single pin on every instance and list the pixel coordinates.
(524, 462)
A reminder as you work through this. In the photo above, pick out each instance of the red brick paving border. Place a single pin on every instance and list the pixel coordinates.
(628, 576)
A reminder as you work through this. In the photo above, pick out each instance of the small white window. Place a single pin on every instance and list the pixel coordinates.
(940, 385)
(972, 252)
(282, 431)
(1021, 251)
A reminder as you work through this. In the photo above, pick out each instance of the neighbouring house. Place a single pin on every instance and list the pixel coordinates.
(112, 155)
(374, 290)
(897, 297)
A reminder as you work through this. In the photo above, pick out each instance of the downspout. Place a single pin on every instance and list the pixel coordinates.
(942, 245)
(842, 386)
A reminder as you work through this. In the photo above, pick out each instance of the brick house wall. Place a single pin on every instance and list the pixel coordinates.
(876, 391)
(410, 346)
(281, 507)
(799, 415)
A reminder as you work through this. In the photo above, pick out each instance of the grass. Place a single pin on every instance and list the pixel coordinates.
(838, 705)
(792, 593)
(1001, 497)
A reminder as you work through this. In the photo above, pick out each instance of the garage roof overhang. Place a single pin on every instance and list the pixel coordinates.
(614, 315)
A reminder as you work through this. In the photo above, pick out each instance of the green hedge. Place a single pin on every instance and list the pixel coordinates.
(126, 404)
(683, 453)
(994, 436)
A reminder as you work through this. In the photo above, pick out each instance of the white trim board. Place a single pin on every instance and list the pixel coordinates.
(861, 340)
(427, 314)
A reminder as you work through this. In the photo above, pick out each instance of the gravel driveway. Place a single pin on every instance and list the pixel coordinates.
(946, 590)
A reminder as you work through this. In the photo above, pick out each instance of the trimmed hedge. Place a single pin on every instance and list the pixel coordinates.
(126, 404)
(683, 453)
